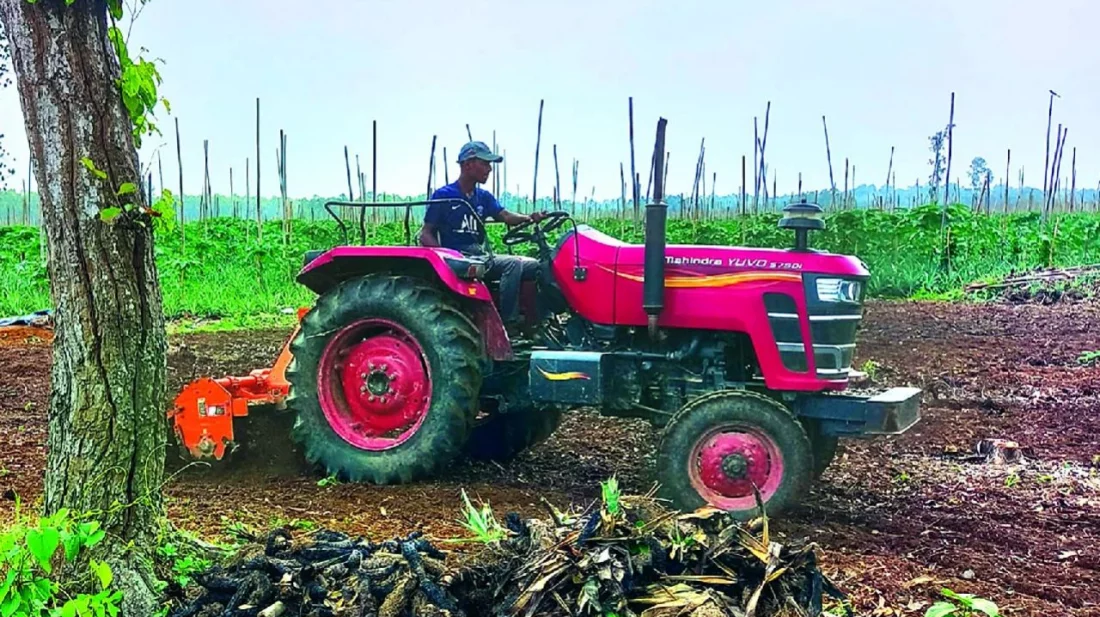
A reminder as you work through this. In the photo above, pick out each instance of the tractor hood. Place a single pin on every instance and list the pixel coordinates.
(702, 259)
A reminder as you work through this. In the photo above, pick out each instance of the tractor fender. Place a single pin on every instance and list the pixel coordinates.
(446, 267)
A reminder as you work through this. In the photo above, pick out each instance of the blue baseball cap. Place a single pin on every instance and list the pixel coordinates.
(478, 149)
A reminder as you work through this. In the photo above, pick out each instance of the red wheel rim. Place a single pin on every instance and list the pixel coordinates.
(728, 460)
(374, 384)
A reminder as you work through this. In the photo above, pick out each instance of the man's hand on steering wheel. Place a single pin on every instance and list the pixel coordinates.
(519, 233)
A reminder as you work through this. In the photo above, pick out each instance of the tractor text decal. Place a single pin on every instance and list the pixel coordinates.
(733, 262)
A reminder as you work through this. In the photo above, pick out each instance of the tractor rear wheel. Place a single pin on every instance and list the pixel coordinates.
(384, 380)
(501, 437)
(719, 445)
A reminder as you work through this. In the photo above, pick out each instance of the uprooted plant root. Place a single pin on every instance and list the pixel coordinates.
(641, 560)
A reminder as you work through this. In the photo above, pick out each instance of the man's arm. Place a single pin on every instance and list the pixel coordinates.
(432, 218)
(512, 219)
(428, 235)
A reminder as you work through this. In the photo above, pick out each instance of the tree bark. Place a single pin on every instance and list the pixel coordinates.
(107, 426)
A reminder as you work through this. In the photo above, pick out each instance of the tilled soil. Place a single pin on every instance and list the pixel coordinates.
(897, 519)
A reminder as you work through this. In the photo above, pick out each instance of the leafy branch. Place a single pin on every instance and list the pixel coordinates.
(137, 84)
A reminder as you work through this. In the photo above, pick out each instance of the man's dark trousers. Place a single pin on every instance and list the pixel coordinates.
(511, 270)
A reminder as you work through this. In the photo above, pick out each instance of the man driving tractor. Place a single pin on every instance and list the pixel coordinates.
(453, 226)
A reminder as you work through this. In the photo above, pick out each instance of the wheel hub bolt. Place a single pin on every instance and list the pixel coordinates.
(735, 466)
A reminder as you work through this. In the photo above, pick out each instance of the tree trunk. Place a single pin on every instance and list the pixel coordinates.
(107, 425)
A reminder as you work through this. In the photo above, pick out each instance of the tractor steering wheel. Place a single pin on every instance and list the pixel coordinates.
(517, 235)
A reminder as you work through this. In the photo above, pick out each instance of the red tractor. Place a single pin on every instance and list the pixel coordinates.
(739, 354)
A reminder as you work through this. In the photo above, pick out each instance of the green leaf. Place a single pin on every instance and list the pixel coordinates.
(72, 544)
(8, 607)
(985, 606)
(103, 571)
(6, 587)
(90, 166)
(127, 188)
(115, 7)
(108, 214)
(940, 609)
(42, 544)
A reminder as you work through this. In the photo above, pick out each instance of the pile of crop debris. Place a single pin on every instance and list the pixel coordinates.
(627, 557)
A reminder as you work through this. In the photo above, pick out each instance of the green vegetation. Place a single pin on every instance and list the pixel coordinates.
(32, 549)
(223, 271)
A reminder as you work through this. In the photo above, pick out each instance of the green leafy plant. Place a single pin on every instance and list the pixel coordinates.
(962, 605)
(329, 480)
(611, 495)
(1089, 357)
(481, 523)
(32, 550)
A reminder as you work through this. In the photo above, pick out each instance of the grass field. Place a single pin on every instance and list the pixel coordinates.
(223, 271)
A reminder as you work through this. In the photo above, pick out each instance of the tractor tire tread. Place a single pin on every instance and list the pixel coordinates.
(449, 340)
(798, 455)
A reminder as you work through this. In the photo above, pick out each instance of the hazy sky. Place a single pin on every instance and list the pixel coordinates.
(880, 71)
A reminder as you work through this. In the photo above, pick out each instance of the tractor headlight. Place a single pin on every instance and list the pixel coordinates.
(837, 290)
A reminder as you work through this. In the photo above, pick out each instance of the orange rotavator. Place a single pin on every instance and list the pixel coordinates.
(741, 356)
(203, 411)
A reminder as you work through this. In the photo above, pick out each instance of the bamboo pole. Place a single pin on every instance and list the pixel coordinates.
(373, 179)
(427, 194)
(557, 181)
(763, 146)
(179, 161)
(1073, 181)
(698, 167)
(1057, 173)
(633, 171)
(1046, 164)
(573, 202)
(950, 134)
(259, 210)
(829, 158)
(1056, 167)
(889, 170)
(538, 142)
(844, 204)
(204, 206)
(622, 181)
(755, 166)
(744, 188)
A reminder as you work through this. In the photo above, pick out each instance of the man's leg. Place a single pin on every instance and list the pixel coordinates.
(511, 271)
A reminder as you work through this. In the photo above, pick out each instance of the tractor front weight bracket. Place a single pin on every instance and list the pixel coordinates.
(890, 412)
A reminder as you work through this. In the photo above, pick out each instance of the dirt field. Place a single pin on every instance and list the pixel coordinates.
(896, 519)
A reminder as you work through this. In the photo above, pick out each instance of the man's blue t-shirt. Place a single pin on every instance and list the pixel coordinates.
(458, 229)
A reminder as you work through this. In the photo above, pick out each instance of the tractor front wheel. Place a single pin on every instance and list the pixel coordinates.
(385, 379)
(719, 446)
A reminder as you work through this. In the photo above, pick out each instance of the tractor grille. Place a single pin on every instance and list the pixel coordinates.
(833, 328)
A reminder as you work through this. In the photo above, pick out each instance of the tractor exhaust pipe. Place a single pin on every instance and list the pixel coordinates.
(656, 211)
